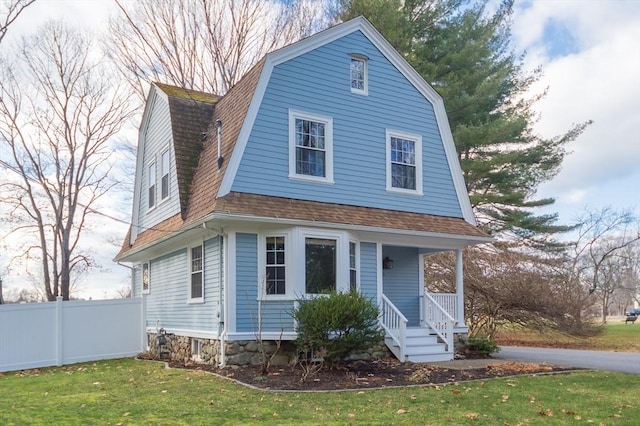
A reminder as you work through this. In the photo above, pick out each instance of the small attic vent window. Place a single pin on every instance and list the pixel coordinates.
(358, 74)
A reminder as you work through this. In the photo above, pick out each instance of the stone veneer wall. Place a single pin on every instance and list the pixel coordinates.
(242, 352)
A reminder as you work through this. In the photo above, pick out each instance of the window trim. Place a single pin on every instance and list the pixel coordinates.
(357, 263)
(147, 266)
(342, 262)
(328, 149)
(417, 139)
(196, 349)
(151, 176)
(163, 174)
(262, 266)
(190, 273)
(365, 76)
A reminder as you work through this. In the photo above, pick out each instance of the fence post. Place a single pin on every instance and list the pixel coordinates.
(59, 331)
(143, 317)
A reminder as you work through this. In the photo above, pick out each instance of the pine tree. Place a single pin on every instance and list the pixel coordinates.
(464, 53)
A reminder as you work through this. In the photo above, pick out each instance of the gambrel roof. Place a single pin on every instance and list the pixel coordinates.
(191, 112)
(208, 194)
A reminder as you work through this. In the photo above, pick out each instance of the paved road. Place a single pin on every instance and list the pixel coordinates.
(625, 362)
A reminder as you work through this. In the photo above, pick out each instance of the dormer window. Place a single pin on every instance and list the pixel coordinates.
(359, 74)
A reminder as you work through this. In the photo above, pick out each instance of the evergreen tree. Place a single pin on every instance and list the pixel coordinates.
(464, 53)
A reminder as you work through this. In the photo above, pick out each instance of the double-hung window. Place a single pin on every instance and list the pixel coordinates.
(353, 271)
(152, 185)
(358, 73)
(404, 162)
(164, 170)
(196, 287)
(275, 266)
(310, 147)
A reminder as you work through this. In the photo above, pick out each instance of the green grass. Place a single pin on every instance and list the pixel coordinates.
(141, 392)
(617, 336)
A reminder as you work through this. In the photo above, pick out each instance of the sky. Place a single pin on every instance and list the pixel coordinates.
(589, 51)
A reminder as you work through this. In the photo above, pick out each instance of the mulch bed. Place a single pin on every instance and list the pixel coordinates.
(370, 374)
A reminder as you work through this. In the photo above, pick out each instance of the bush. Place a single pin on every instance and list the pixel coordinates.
(337, 325)
(482, 346)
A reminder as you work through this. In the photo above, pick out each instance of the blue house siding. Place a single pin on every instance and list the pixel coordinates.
(402, 283)
(368, 270)
(246, 282)
(213, 274)
(318, 82)
(276, 316)
(157, 139)
(167, 301)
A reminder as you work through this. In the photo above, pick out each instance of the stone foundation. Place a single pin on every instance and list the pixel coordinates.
(242, 352)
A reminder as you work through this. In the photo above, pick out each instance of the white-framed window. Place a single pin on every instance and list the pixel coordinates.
(353, 266)
(151, 200)
(404, 162)
(275, 265)
(196, 349)
(310, 147)
(196, 274)
(164, 173)
(358, 74)
(320, 262)
(146, 278)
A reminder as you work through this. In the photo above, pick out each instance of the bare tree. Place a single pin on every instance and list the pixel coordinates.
(9, 12)
(603, 236)
(59, 107)
(506, 285)
(617, 275)
(204, 45)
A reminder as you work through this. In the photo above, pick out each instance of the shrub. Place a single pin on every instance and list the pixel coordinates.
(337, 324)
(483, 346)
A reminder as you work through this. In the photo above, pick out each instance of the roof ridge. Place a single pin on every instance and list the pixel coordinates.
(187, 94)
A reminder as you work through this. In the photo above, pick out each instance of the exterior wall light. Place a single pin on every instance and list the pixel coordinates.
(387, 263)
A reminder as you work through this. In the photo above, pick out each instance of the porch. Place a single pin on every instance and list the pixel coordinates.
(419, 326)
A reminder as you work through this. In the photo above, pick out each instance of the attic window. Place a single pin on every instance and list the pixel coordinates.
(358, 73)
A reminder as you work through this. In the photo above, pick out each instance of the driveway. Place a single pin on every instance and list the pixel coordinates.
(624, 362)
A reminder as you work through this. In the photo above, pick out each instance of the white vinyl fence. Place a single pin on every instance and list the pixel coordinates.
(57, 333)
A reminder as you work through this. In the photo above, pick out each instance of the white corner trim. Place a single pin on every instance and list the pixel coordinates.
(379, 280)
(454, 163)
(245, 131)
(230, 284)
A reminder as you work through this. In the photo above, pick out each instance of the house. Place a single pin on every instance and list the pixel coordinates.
(330, 165)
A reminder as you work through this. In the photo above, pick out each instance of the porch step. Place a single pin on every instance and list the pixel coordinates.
(420, 346)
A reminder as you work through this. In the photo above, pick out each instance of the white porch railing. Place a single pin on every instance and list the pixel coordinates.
(448, 302)
(394, 323)
(437, 317)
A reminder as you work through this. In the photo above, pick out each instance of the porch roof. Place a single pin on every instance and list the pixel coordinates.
(245, 206)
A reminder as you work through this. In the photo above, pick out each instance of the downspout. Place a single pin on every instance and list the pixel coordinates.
(222, 312)
(131, 268)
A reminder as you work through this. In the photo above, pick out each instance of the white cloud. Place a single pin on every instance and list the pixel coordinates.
(599, 81)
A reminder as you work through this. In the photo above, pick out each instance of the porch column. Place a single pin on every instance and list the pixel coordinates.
(459, 287)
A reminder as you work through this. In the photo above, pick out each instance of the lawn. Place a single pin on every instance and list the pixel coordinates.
(617, 336)
(128, 391)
